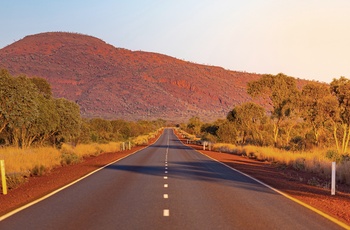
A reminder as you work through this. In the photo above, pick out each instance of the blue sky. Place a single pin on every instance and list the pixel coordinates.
(306, 39)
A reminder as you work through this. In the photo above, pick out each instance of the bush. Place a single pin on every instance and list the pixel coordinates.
(331, 154)
(297, 144)
(13, 180)
(299, 164)
(38, 170)
(69, 158)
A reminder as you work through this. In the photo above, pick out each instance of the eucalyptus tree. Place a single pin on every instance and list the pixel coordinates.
(194, 125)
(283, 95)
(69, 120)
(340, 88)
(19, 108)
(43, 86)
(317, 106)
(249, 119)
(47, 123)
(227, 132)
(100, 130)
(6, 95)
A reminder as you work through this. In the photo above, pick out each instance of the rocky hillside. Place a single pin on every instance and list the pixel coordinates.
(112, 82)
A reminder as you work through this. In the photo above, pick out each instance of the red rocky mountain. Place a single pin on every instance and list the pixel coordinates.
(113, 83)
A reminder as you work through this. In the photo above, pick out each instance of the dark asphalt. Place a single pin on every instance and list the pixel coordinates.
(194, 192)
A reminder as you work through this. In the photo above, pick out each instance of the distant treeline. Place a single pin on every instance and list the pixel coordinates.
(30, 115)
(317, 115)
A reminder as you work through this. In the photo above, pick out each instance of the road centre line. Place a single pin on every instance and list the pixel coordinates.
(166, 196)
(165, 185)
(165, 177)
(166, 212)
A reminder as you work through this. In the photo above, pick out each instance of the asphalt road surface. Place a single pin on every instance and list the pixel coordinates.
(166, 186)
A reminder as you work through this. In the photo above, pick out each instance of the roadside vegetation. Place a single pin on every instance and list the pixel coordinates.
(39, 132)
(306, 127)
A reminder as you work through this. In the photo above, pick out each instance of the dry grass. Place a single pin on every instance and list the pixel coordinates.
(37, 161)
(141, 140)
(94, 149)
(24, 160)
(188, 136)
(313, 161)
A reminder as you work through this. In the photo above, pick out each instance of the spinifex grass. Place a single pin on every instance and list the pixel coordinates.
(312, 161)
(24, 160)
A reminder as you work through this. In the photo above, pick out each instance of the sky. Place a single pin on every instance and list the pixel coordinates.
(307, 39)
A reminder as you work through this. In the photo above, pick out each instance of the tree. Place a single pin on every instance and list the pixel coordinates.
(194, 125)
(249, 119)
(120, 129)
(43, 86)
(227, 132)
(341, 89)
(46, 124)
(282, 92)
(21, 109)
(70, 120)
(6, 95)
(316, 100)
(100, 129)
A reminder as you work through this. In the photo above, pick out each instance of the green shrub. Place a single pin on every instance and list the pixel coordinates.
(69, 158)
(297, 144)
(38, 170)
(299, 164)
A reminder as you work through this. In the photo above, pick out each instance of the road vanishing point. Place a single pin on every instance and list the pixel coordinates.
(166, 186)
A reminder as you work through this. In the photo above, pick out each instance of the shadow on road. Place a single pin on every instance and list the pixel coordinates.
(206, 171)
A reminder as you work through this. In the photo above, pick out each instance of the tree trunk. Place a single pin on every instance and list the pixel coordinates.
(335, 136)
(275, 133)
(347, 140)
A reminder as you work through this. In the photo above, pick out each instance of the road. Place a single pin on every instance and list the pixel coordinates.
(166, 186)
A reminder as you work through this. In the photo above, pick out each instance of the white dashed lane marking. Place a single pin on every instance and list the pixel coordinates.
(166, 212)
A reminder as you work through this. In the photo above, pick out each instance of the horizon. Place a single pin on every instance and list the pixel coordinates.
(306, 40)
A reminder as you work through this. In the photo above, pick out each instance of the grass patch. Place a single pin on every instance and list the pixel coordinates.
(317, 161)
(22, 161)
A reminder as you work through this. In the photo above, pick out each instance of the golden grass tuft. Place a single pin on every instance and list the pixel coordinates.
(312, 161)
(23, 161)
(141, 140)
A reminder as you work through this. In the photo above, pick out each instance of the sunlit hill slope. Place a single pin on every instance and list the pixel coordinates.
(112, 82)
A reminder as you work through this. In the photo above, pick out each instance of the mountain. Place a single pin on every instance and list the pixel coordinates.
(113, 83)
